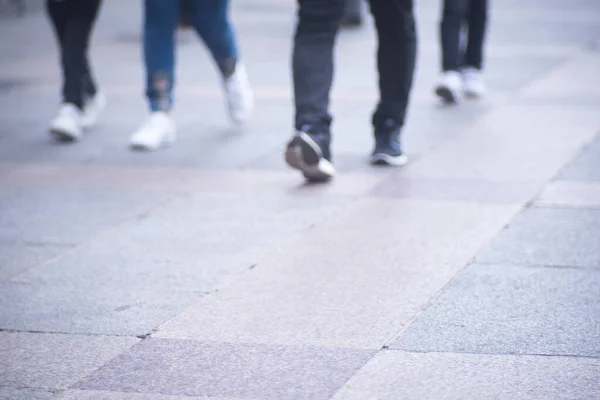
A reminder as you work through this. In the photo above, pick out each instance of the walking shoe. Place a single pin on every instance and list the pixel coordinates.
(240, 99)
(388, 149)
(92, 110)
(66, 127)
(158, 131)
(474, 85)
(309, 153)
(449, 87)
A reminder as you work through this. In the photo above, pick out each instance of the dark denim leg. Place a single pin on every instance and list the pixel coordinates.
(453, 18)
(312, 60)
(396, 56)
(477, 23)
(160, 21)
(73, 24)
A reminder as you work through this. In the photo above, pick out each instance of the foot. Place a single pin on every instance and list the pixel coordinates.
(474, 84)
(158, 131)
(67, 126)
(388, 149)
(449, 87)
(92, 110)
(309, 153)
(240, 99)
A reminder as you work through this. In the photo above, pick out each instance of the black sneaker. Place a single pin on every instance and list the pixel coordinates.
(388, 149)
(309, 153)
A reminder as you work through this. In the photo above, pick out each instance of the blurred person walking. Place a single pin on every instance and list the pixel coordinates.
(462, 60)
(210, 19)
(313, 66)
(82, 102)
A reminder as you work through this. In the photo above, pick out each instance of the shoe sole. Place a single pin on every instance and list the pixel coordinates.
(446, 94)
(167, 142)
(303, 154)
(387, 160)
(64, 136)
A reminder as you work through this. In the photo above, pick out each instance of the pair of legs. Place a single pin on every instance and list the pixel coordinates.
(210, 18)
(73, 21)
(313, 68)
(462, 60)
(457, 15)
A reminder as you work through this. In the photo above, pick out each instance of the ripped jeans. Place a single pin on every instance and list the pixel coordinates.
(210, 18)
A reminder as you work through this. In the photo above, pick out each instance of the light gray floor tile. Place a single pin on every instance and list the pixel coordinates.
(500, 309)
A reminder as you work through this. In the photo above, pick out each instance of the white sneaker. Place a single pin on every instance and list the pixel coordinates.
(240, 99)
(66, 126)
(474, 85)
(449, 87)
(92, 110)
(158, 131)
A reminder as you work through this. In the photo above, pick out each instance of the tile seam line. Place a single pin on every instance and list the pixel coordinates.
(547, 72)
(34, 388)
(84, 334)
(102, 233)
(538, 266)
(352, 201)
(544, 355)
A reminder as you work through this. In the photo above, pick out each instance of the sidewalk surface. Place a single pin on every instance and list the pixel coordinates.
(210, 270)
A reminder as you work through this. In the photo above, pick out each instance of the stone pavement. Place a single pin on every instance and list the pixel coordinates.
(210, 270)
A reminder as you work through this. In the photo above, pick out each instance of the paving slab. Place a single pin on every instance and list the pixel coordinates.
(178, 367)
(67, 216)
(15, 258)
(51, 361)
(393, 375)
(575, 78)
(586, 166)
(135, 278)
(571, 194)
(188, 180)
(525, 142)
(548, 236)
(322, 290)
(7, 393)
(471, 190)
(75, 394)
(502, 309)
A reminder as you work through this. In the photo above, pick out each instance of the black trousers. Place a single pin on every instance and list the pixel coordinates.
(73, 21)
(313, 65)
(458, 15)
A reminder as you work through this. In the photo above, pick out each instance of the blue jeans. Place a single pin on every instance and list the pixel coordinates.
(210, 18)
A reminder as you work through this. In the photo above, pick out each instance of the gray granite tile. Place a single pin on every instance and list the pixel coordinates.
(75, 394)
(402, 186)
(52, 361)
(500, 309)
(528, 142)
(352, 281)
(392, 375)
(15, 258)
(7, 393)
(222, 369)
(135, 278)
(570, 193)
(574, 78)
(548, 236)
(586, 166)
(57, 216)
